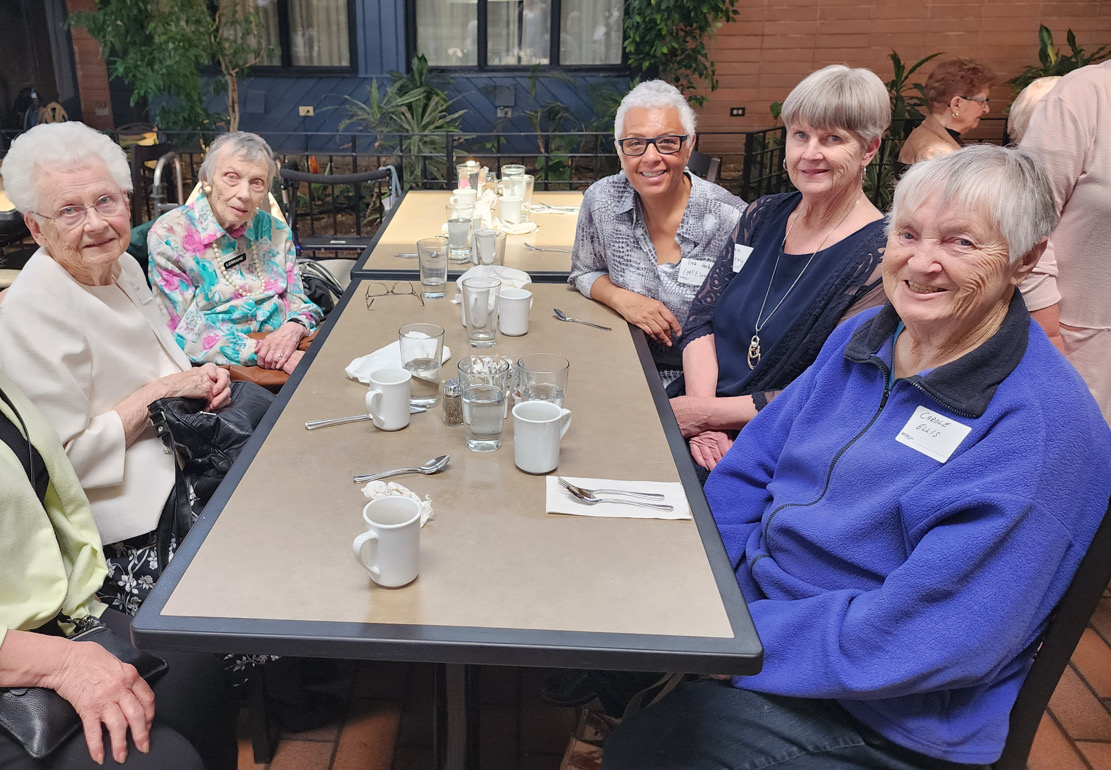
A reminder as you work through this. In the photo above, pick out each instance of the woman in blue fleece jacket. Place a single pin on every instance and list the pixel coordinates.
(904, 517)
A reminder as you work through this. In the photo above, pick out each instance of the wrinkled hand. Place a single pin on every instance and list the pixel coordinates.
(209, 382)
(291, 362)
(692, 413)
(708, 448)
(276, 348)
(105, 691)
(652, 316)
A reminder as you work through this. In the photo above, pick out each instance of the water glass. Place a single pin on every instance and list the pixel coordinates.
(460, 221)
(470, 175)
(432, 253)
(480, 310)
(485, 381)
(543, 377)
(422, 350)
(489, 247)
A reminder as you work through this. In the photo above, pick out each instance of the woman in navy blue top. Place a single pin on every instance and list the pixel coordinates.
(803, 262)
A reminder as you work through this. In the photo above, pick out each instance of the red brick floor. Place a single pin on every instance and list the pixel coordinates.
(388, 724)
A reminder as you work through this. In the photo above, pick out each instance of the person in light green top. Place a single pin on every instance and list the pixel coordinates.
(51, 565)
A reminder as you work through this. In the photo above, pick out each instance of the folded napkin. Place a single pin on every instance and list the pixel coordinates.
(522, 228)
(559, 500)
(375, 489)
(388, 357)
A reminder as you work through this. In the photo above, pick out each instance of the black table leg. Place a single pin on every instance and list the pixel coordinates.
(456, 745)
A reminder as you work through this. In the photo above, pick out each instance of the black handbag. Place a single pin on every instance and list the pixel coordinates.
(42, 720)
(206, 444)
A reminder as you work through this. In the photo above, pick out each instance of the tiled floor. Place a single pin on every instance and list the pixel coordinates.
(388, 725)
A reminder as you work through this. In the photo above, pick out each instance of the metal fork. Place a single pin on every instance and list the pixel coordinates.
(560, 249)
(589, 499)
(647, 495)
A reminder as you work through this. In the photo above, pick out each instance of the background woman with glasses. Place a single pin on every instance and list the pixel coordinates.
(81, 335)
(648, 235)
(957, 91)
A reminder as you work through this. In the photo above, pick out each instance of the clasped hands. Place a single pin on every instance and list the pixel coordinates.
(278, 350)
(707, 444)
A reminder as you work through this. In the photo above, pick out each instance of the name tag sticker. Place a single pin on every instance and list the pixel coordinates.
(693, 272)
(741, 254)
(932, 434)
(237, 259)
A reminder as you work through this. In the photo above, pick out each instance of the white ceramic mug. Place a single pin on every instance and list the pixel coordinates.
(513, 311)
(393, 524)
(387, 401)
(538, 427)
(511, 209)
(464, 196)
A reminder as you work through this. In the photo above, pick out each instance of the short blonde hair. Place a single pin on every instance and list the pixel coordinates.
(840, 97)
(1022, 108)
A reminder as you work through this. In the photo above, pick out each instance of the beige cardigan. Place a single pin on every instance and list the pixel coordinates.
(929, 139)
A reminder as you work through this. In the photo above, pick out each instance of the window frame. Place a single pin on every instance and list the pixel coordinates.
(285, 45)
(482, 66)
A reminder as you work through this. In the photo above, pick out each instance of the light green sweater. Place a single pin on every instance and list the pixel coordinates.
(51, 559)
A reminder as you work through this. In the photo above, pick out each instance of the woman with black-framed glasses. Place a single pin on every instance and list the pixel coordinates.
(957, 91)
(648, 235)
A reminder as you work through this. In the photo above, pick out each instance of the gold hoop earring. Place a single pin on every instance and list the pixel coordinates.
(784, 164)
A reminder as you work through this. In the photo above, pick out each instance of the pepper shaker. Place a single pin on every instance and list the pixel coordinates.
(453, 401)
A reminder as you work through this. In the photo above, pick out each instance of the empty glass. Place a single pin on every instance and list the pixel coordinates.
(489, 247)
(432, 253)
(480, 310)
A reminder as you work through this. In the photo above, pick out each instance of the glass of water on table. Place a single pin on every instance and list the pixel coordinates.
(485, 382)
(422, 350)
(543, 377)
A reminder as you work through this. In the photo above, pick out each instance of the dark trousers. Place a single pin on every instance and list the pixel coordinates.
(194, 721)
(711, 725)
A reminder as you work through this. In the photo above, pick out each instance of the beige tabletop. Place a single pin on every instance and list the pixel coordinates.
(421, 214)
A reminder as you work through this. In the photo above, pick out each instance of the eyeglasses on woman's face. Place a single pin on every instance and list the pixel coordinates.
(635, 146)
(399, 288)
(73, 215)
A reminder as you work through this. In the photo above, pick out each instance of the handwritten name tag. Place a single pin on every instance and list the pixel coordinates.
(932, 434)
(740, 256)
(237, 259)
(693, 272)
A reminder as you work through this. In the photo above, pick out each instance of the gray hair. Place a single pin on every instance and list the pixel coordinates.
(840, 97)
(1006, 185)
(250, 147)
(1022, 108)
(654, 95)
(49, 146)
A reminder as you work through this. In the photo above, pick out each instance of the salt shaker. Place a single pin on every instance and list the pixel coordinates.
(453, 401)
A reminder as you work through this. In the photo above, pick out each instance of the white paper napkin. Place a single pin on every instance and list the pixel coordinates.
(375, 489)
(559, 500)
(388, 357)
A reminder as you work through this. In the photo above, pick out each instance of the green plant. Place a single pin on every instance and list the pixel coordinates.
(667, 39)
(414, 112)
(1053, 62)
(908, 100)
(235, 39)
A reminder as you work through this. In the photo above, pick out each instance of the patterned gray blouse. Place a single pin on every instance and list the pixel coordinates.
(612, 239)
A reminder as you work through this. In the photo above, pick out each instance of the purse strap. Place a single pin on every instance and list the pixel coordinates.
(33, 464)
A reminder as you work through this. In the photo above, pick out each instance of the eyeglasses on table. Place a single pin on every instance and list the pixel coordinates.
(398, 288)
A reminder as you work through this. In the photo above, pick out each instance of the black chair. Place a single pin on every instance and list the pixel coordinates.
(1066, 625)
(333, 204)
(705, 166)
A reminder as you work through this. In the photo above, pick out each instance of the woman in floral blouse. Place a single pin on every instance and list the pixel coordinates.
(222, 268)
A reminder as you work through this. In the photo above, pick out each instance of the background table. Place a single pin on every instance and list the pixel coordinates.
(268, 567)
(420, 214)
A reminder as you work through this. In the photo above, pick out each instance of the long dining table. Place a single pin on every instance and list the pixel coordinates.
(268, 567)
(420, 214)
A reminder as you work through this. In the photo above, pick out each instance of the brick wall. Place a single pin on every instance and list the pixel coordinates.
(92, 73)
(775, 43)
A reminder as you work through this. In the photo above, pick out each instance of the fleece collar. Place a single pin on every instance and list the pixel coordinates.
(967, 384)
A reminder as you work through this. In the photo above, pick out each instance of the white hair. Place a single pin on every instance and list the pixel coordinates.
(243, 144)
(47, 146)
(1022, 108)
(1006, 185)
(654, 95)
(840, 97)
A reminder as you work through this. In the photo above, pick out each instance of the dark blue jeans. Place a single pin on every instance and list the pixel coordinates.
(711, 725)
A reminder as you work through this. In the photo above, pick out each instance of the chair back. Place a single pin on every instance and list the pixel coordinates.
(705, 166)
(144, 157)
(331, 216)
(1063, 632)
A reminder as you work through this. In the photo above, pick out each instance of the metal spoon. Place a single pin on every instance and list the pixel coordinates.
(435, 465)
(564, 317)
(314, 424)
(560, 249)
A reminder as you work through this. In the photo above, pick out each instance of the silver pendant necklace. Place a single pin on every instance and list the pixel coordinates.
(754, 353)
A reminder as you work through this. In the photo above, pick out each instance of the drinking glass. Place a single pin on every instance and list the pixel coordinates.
(485, 381)
(432, 253)
(480, 310)
(422, 350)
(460, 221)
(543, 377)
(489, 247)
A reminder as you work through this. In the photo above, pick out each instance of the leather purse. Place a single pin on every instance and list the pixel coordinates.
(41, 720)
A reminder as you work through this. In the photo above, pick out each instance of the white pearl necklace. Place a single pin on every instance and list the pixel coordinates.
(243, 290)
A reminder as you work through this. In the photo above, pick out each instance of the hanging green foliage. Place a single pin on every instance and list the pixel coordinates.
(667, 39)
(1054, 62)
